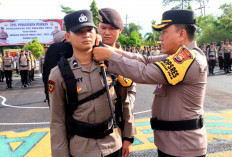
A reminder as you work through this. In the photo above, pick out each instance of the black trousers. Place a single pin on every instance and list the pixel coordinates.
(2, 75)
(116, 154)
(211, 65)
(8, 74)
(162, 154)
(24, 74)
(226, 62)
(221, 62)
(32, 74)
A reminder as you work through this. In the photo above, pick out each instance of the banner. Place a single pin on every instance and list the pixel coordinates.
(20, 32)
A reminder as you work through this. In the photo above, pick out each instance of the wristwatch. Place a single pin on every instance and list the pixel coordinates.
(130, 139)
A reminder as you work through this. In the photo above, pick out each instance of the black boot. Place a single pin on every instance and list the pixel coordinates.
(10, 86)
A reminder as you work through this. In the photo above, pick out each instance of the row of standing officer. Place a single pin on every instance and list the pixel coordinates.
(222, 52)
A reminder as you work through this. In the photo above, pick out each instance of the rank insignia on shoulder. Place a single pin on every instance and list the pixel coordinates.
(125, 82)
(75, 64)
(51, 86)
(79, 89)
(175, 67)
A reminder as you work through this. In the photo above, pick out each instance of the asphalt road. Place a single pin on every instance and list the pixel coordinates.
(22, 109)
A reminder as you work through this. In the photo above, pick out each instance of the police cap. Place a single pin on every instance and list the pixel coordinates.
(175, 17)
(110, 16)
(22, 50)
(78, 20)
(46, 46)
(59, 37)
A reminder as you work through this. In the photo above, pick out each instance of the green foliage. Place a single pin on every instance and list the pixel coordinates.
(189, 6)
(35, 47)
(151, 38)
(66, 10)
(215, 29)
(130, 35)
(94, 9)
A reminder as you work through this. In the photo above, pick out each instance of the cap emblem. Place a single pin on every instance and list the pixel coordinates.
(83, 18)
(100, 17)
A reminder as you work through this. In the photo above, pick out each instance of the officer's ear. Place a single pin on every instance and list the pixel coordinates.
(120, 30)
(67, 36)
(183, 35)
(97, 27)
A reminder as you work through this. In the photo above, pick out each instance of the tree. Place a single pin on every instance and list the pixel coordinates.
(130, 35)
(66, 10)
(94, 10)
(35, 47)
(152, 37)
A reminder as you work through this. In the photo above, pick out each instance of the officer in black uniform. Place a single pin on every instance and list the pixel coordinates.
(54, 52)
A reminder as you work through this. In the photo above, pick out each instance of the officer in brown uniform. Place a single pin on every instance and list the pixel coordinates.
(110, 26)
(181, 76)
(93, 134)
(1, 67)
(8, 67)
(3, 34)
(211, 55)
(33, 65)
(24, 66)
(219, 50)
(226, 55)
(1, 71)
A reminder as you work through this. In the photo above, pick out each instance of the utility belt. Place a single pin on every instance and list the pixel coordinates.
(93, 130)
(211, 55)
(23, 65)
(7, 65)
(177, 125)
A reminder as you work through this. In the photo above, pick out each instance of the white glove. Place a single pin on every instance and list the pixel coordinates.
(40, 75)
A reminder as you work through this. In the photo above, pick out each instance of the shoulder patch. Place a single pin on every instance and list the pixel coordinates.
(175, 67)
(125, 82)
(51, 86)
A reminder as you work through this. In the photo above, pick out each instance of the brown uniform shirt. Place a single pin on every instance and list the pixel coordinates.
(3, 35)
(41, 62)
(8, 63)
(94, 111)
(211, 53)
(226, 49)
(183, 101)
(23, 63)
(1, 64)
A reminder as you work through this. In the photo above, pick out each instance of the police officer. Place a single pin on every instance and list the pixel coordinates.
(33, 65)
(180, 76)
(8, 67)
(211, 55)
(16, 58)
(41, 62)
(219, 50)
(60, 48)
(133, 50)
(2, 71)
(24, 66)
(226, 55)
(92, 131)
(1, 68)
(203, 48)
(29, 71)
(3, 34)
(108, 19)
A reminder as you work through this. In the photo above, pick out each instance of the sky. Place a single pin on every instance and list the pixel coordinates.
(140, 12)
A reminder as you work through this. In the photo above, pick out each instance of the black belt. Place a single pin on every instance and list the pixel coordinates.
(23, 65)
(176, 125)
(7, 65)
(93, 130)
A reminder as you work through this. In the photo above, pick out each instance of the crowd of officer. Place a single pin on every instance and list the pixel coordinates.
(23, 64)
(220, 53)
(144, 50)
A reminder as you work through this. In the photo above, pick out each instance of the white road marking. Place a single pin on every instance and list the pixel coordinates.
(33, 123)
(142, 112)
(4, 100)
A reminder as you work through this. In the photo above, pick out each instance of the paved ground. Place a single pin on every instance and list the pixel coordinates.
(24, 119)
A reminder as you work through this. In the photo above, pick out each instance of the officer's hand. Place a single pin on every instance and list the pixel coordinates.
(98, 39)
(126, 148)
(102, 53)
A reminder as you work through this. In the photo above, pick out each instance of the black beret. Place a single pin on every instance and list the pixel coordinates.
(133, 45)
(211, 43)
(22, 50)
(128, 47)
(110, 16)
(222, 42)
(78, 20)
(175, 17)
